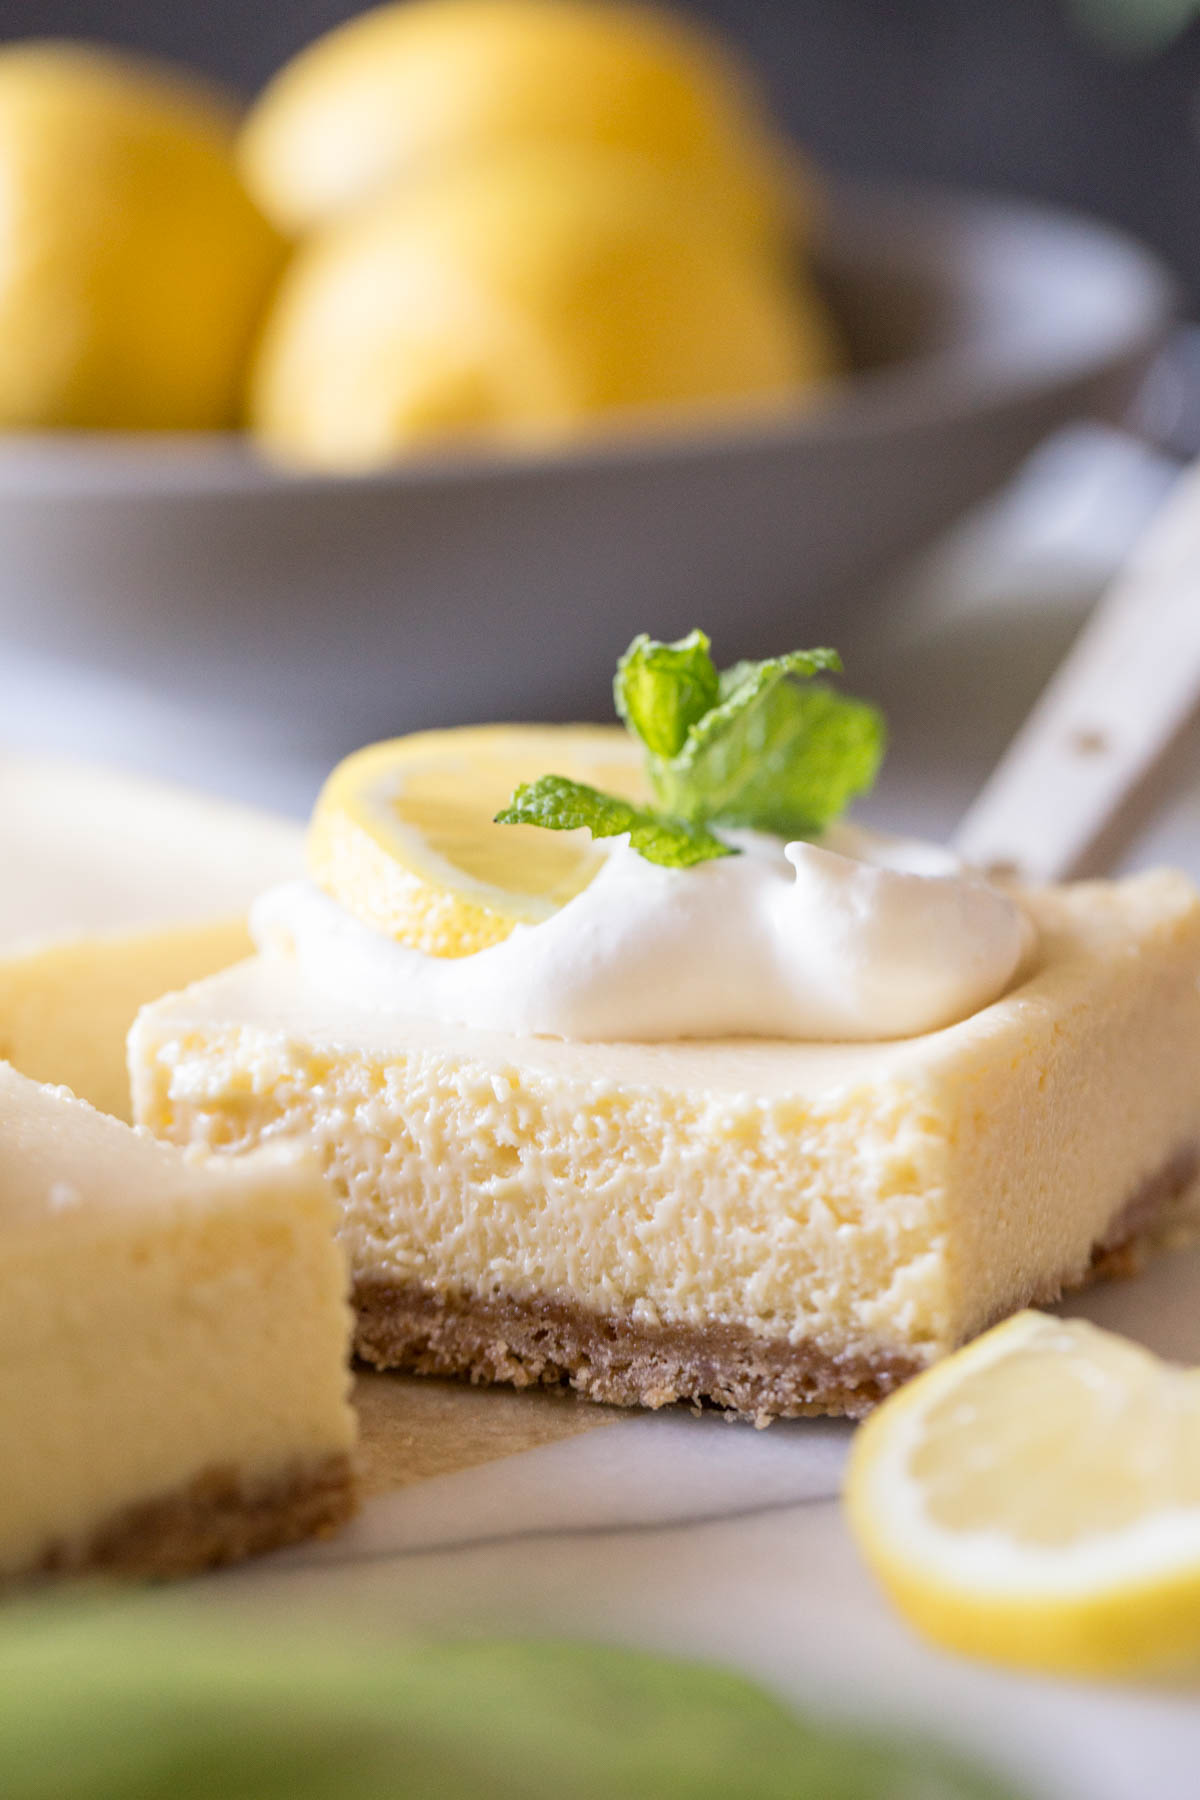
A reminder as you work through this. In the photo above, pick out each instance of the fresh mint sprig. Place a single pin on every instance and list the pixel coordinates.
(761, 745)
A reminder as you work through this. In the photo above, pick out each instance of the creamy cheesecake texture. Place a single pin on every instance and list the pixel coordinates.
(114, 890)
(173, 1347)
(856, 1207)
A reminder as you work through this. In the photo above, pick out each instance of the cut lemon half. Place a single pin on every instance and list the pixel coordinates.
(1036, 1499)
(403, 833)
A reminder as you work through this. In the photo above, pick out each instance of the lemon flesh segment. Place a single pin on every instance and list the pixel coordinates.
(403, 833)
(1036, 1499)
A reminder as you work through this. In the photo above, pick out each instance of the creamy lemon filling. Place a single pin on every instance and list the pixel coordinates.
(869, 1200)
(164, 1319)
(858, 937)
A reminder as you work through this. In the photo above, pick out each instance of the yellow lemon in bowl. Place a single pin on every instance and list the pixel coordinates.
(405, 89)
(522, 301)
(133, 265)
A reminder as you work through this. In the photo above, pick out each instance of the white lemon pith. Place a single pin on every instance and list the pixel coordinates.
(403, 834)
(1036, 1499)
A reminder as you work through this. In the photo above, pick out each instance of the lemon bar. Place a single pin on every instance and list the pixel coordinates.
(775, 1227)
(161, 1406)
(113, 890)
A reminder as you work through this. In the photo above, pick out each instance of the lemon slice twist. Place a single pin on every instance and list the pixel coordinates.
(403, 833)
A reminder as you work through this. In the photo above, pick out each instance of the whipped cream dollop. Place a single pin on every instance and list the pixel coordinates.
(858, 936)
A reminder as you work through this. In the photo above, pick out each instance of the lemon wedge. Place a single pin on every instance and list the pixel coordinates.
(1036, 1499)
(403, 834)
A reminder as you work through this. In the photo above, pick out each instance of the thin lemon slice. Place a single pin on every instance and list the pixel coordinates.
(403, 833)
(1036, 1499)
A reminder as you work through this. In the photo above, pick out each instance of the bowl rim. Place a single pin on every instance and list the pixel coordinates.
(989, 372)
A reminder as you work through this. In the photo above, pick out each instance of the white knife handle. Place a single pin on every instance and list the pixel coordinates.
(1085, 771)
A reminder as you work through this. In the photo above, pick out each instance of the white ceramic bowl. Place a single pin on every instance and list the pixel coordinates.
(479, 585)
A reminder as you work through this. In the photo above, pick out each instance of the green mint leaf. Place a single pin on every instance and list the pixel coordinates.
(742, 688)
(740, 683)
(773, 755)
(663, 690)
(558, 804)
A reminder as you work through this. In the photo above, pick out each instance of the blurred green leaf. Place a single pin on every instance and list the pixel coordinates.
(1134, 26)
(131, 1704)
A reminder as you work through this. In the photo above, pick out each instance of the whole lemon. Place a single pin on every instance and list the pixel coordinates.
(406, 88)
(524, 300)
(133, 265)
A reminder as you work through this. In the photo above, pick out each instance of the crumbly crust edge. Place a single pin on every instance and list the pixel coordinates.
(621, 1361)
(216, 1519)
(611, 1357)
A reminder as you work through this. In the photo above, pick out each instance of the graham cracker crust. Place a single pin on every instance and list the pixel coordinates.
(611, 1357)
(623, 1362)
(214, 1520)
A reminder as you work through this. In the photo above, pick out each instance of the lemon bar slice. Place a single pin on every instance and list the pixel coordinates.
(173, 1347)
(114, 890)
(776, 1227)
